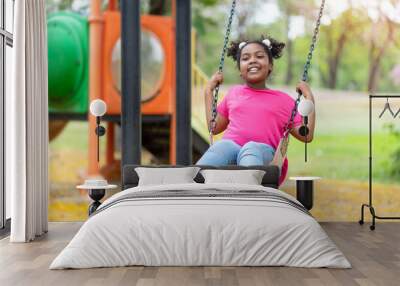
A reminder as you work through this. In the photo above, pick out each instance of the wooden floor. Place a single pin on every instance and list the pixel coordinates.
(375, 257)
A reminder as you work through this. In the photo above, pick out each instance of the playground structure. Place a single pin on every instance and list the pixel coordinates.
(75, 69)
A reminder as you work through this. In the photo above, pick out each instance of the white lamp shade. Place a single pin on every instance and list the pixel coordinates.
(98, 107)
(305, 107)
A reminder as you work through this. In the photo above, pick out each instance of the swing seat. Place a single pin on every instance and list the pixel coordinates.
(280, 153)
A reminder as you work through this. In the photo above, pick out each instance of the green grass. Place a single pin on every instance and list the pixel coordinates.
(343, 157)
(74, 137)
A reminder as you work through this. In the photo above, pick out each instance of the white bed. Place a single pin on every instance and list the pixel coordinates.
(259, 226)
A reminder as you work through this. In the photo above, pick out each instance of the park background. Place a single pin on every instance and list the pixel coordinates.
(358, 54)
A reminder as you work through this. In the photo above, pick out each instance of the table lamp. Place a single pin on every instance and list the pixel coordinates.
(305, 108)
(98, 108)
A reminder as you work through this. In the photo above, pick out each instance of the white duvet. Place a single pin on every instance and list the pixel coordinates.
(200, 231)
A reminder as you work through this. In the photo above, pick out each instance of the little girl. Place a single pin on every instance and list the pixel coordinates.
(253, 115)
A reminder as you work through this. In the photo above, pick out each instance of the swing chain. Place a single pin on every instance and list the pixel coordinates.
(220, 68)
(313, 42)
(307, 65)
(294, 111)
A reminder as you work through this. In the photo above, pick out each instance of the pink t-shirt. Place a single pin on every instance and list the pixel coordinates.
(257, 115)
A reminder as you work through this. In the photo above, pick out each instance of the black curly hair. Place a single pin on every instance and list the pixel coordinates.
(275, 52)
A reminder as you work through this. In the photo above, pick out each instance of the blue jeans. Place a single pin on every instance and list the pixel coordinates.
(227, 152)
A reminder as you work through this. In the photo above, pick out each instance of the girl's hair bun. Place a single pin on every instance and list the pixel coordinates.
(273, 48)
(233, 50)
(276, 48)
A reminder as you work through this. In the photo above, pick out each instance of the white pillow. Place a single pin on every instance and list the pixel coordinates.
(250, 177)
(162, 176)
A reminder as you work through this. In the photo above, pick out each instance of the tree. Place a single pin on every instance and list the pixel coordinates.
(290, 9)
(384, 33)
(57, 5)
(200, 19)
(377, 50)
(79, 6)
(243, 14)
(158, 7)
(337, 35)
(204, 15)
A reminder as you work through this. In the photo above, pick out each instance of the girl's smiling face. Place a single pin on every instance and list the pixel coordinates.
(255, 65)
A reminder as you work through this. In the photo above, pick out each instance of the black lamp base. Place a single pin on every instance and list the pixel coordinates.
(96, 195)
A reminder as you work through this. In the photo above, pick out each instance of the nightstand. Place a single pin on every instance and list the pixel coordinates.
(305, 190)
(96, 191)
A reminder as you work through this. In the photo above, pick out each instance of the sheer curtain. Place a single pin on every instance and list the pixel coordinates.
(27, 124)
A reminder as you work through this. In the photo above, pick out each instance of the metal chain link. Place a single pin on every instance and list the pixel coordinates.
(306, 68)
(220, 68)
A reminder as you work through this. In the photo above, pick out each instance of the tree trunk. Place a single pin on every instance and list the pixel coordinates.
(323, 76)
(332, 80)
(329, 44)
(373, 77)
(289, 47)
(375, 65)
(157, 7)
(335, 61)
(376, 58)
(242, 19)
(290, 63)
(65, 5)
